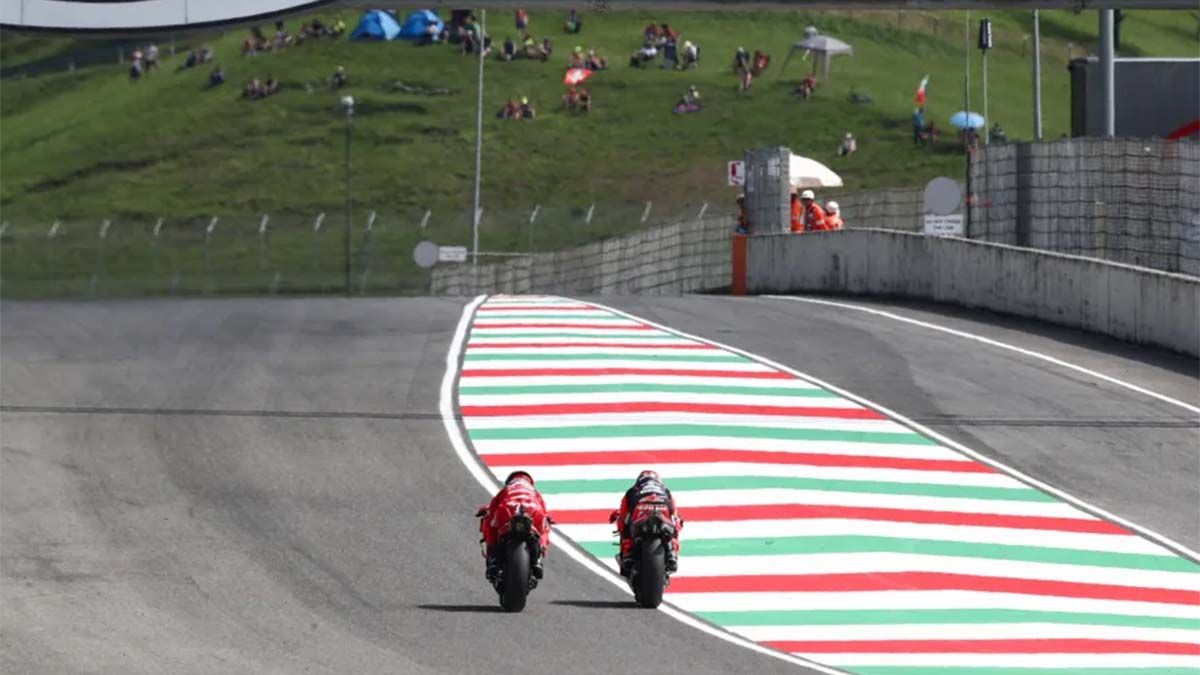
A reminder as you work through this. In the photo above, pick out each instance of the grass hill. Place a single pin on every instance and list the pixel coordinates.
(89, 144)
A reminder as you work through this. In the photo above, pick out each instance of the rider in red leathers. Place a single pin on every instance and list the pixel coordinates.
(648, 484)
(518, 492)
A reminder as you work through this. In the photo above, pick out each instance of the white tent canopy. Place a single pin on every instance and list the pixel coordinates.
(822, 46)
(809, 173)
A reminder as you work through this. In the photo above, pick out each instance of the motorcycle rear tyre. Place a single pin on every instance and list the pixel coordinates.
(651, 574)
(515, 585)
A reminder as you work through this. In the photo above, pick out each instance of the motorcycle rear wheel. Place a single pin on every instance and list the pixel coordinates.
(515, 585)
(651, 573)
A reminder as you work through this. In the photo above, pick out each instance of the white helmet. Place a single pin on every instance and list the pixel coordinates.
(832, 207)
(807, 194)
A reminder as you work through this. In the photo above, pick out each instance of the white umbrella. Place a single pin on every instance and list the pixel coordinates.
(809, 173)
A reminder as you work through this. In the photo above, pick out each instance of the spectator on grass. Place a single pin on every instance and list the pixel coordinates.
(545, 48)
(651, 34)
(918, 125)
(338, 28)
(577, 100)
(271, 86)
(742, 67)
(510, 111)
(217, 77)
(670, 54)
(667, 34)
(509, 51)
(760, 62)
(849, 146)
(253, 89)
(151, 57)
(577, 58)
(339, 78)
(691, 55)
(135, 70)
(595, 62)
(644, 55)
(807, 86)
(996, 134)
(833, 217)
(527, 110)
(573, 24)
(522, 19)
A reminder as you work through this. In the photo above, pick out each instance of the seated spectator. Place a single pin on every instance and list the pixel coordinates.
(216, 78)
(806, 87)
(651, 34)
(282, 39)
(135, 70)
(996, 134)
(206, 54)
(338, 28)
(317, 28)
(530, 47)
(577, 58)
(741, 60)
(509, 51)
(339, 78)
(545, 48)
(691, 55)
(595, 62)
(571, 99)
(271, 86)
(190, 61)
(573, 24)
(690, 102)
(510, 111)
(849, 146)
(585, 100)
(527, 111)
(253, 89)
(760, 62)
(430, 35)
(644, 55)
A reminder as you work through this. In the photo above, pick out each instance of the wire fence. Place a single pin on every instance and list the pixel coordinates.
(1130, 201)
(688, 256)
(264, 254)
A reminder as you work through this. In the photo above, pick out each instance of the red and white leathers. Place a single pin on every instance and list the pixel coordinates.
(520, 494)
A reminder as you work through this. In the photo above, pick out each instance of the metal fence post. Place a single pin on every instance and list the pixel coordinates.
(537, 208)
(262, 242)
(316, 249)
(646, 212)
(591, 210)
(101, 263)
(208, 254)
(366, 253)
(425, 219)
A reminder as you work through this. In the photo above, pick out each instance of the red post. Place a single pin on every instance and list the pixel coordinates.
(738, 284)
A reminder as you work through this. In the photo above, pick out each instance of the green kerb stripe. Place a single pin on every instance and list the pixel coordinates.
(847, 617)
(680, 485)
(985, 670)
(758, 546)
(549, 356)
(637, 388)
(715, 430)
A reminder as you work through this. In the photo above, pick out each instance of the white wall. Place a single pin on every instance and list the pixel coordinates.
(1129, 303)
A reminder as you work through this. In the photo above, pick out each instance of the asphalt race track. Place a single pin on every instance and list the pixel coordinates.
(266, 485)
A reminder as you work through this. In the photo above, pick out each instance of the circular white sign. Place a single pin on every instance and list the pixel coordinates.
(942, 196)
(425, 255)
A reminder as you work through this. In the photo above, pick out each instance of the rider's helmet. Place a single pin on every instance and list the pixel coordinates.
(518, 475)
(647, 475)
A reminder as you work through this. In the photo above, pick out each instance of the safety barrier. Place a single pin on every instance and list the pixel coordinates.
(1130, 303)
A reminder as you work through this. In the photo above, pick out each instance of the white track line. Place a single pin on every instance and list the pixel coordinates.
(1169, 543)
(484, 478)
(996, 343)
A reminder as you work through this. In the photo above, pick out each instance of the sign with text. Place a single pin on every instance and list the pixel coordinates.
(453, 254)
(944, 226)
(737, 173)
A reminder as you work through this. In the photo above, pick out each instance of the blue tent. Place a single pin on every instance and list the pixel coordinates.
(376, 24)
(416, 24)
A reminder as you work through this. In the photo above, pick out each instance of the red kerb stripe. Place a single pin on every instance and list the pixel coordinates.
(589, 326)
(1030, 646)
(595, 372)
(666, 406)
(614, 345)
(708, 455)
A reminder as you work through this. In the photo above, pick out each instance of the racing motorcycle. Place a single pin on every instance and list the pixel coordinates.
(519, 551)
(651, 531)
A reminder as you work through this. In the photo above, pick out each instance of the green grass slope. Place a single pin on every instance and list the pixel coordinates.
(90, 144)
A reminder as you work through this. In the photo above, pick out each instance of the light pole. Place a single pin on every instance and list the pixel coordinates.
(348, 107)
(1037, 77)
(479, 48)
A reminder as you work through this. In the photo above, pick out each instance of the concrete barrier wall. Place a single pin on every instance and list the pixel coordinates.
(1126, 302)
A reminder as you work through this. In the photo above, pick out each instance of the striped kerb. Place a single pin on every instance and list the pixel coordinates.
(814, 525)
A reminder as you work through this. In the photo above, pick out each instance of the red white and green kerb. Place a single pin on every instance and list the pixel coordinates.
(816, 526)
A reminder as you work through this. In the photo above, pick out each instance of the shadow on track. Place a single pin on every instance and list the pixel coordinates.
(597, 604)
(472, 609)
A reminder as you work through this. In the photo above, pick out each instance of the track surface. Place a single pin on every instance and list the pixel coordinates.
(337, 541)
(160, 539)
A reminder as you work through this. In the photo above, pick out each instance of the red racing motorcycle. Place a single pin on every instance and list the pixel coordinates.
(519, 551)
(652, 531)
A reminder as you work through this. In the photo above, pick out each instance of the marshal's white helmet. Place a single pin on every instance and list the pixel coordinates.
(832, 207)
(807, 194)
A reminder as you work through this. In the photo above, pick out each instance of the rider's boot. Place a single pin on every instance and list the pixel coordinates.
(493, 563)
(537, 569)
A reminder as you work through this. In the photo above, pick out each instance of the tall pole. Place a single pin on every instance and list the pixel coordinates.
(1037, 77)
(987, 134)
(346, 230)
(479, 48)
(1107, 74)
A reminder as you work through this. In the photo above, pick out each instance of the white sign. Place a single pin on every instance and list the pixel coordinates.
(944, 226)
(454, 254)
(737, 173)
